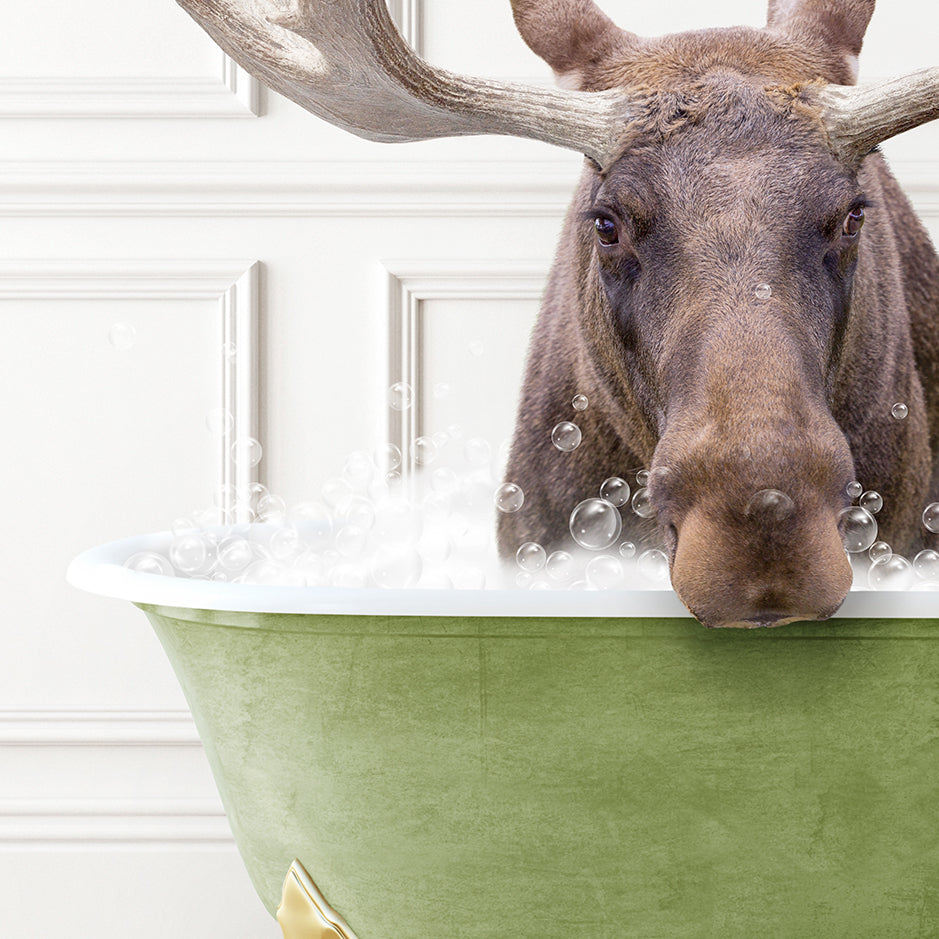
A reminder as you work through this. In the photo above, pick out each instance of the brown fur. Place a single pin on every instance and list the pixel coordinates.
(727, 181)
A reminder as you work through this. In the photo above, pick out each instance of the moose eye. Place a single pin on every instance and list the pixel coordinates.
(606, 231)
(853, 222)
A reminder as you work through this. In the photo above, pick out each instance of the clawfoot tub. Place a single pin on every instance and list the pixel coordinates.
(470, 764)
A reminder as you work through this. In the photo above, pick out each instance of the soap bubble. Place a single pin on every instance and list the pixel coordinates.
(286, 543)
(509, 497)
(357, 510)
(899, 411)
(893, 573)
(400, 396)
(395, 565)
(770, 505)
(477, 451)
(560, 566)
(189, 553)
(423, 450)
(444, 481)
(358, 469)
(349, 576)
(854, 489)
(627, 550)
(858, 529)
(184, 524)
(524, 580)
(271, 508)
(396, 520)
(595, 524)
(642, 504)
(604, 572)
(219, 421)
(311, 567)
(926, 565)
(122, 335)
(315, 521)
(351, 540)
(566, 436)
(642, 478)
(234, 554)
(879, 550)
(931, 516)
(872, 501)
(335, 491)
(441, 390)
(653, 565)
(615, 490)
(476, 348)
(580, 402)
(246, 451)
(763, 291)
(531, 557)
(150, 562)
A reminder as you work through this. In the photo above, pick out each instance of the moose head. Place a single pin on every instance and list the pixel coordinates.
(741, 288)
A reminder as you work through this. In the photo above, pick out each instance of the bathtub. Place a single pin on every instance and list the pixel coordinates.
(460, 765)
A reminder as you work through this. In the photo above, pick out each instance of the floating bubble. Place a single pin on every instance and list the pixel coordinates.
(181, 525)
(477, 451)
(627, 550)
(234, 554)
(335, 491)
(580, 402)
(219, 421)
(351, 540)
(455, 432)
(423, 451)
(189, 553)
(531, 557)
(441, 390)
(892, 573)
(524, 580)
(770, 505)
(358, 469)
(926, 565)
(615, 490)
(595, 524)
(271, 508)
(566, 436)
(395, 566)
(642, 504)
(286, 543)
(311, 567)
(246, 451)
(122, 335)
(879, 550)
(604, 572)
(854, 489)
(477, 348)
(437, 506)
(899, 411)
(931, 516)
(444, 480)
(642, 478)
(763, 291)
(396, 520)
(653, 565)
(560, 566)
(357, 510)
(509, 497)
(858, 529)
(400, 396)
(150, 562)
(872, 501)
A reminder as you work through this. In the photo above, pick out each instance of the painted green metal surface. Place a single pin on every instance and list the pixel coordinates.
(548, 778)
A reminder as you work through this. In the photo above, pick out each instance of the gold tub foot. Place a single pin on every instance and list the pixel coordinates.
(304, 913)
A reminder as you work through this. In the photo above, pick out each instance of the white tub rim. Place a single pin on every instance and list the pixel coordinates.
(100, 570)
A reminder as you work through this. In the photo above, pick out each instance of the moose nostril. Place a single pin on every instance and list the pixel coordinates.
(770, 505)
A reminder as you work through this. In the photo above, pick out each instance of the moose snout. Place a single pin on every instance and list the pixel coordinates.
(756, 543)
(767, 569)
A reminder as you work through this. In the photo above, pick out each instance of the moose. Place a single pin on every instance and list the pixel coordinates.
(741, 289)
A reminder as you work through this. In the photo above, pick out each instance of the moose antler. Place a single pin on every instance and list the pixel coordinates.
(858, 117)
(345, 61)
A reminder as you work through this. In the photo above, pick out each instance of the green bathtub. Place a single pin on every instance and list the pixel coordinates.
(571, 773)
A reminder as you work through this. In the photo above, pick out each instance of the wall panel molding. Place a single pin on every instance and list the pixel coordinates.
(232, 93)
(235, 288)
(83, 728)
(412, 282)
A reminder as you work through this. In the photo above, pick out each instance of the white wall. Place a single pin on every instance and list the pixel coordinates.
(143, 180)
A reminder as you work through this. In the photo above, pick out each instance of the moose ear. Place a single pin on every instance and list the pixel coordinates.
(836, 26)
(572, 36)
